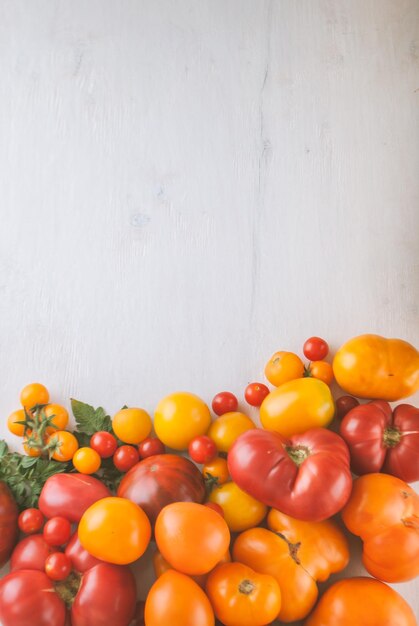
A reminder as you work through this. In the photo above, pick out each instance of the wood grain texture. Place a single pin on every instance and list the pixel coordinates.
(188, 186)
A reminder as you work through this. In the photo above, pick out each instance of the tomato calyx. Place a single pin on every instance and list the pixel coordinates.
(36, 424)
(292, 547)
(298, 454)
(411, 522)
(391, 437)
(246, 587)
(68, 588)
(211, 482)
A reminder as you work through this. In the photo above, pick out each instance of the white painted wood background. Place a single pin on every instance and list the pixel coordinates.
(188, 186)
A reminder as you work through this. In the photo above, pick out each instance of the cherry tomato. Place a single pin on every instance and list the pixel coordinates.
(66, 443)
(34, 394)
(322, 371)
(202, 449)
(16, 416)
(132, 425)
(57, 531)
(104, 443)
(30, 450)
(316, 349)
(283, 367)
(150, 447)
(216, 471)
(30, 521)
(86, 460)
(224, 402)
(58, 566)
(60, 419)
(344, 404)
(215, 507)
(255, 393)
(125, 458)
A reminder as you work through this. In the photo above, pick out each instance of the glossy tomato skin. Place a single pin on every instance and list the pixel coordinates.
(255, 393)
(150, 447)
(226, 428)
(202, 449)
(69, 495)
(57, 531)
(31, 521)
(8, 523)
(104, 443)
(224, 402)
(80, 558)
(344, 404)
(306, 476)
(283, 367)
(30, 553)
(125, 458)
(58, 566)
(315, 349)
(240, 510)
(179, 418)
(27, 598)
(159, 480)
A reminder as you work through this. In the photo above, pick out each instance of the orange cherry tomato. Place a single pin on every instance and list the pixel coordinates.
(31, 451)
(226, 428)
(132, 425)
(191, 537)
(321, 370)
(14, 428)
(60, 419)
(282, 367)
(242, 597)
(66, 444)
(216, 471)
(175, 599)
(34, 394)
(241, 511)
(160, 566)
(86, 460)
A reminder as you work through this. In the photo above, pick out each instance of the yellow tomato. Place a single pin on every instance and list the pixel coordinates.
(370, 366)
(297, 406)
(16, 416)
(179, 418)
(115, 530)
(132, 425)
(216, 471)
(60, 419)
(226, 428)
(241, 511)
(33, 394)
(282, 367)
(65, 445)
(86, 460)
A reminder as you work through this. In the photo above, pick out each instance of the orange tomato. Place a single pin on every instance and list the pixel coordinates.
(31, 451)
(192, 537)
(115, 530)
(226, 428)
(216, 471)
(160, 565)
(241, 511)
(65, 445)
(14, 428)
(361, 601)
(282, 367)
(174, 600)
(34, 394)
(60, 413)
(132, 425)
(179, 418)
(242, 597)
(86, 460)
(322, 371)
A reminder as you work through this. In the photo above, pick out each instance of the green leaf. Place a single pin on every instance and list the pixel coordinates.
(4, 448)
(88, 419)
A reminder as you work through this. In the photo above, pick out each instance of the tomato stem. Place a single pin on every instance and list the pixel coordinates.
(298, 454)
(68, 588)
(246, 587)
(391, 437)
(292, 547)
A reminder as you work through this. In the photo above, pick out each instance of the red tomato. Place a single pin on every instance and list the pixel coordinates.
(8, 523)
(344, 404)
(150, 447)
(306, 476)
(202, 449)
(104, 443)
(80, 558)
(224, 402)
(57, 531)
(69, 495)
(316, 349)
(30, 521)
(30, 553)
(57, 566)
(255, 393)
(125, 458)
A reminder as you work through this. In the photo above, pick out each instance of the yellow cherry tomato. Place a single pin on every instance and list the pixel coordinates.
(282, 367)
(226, 428)
(322, 370)
(16, 416)
(370, 366)
(241, 511)
(66, 444)
(34, 394)
(115, 530)
(86, 460)
(60, 419)
(297, 406)
(179, 418)
(132, 425)
(216, 471)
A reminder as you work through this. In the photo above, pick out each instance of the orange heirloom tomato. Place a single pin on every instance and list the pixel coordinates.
(216, 471)
(241, 511)
(384, 511)
(297, 554)
(370, 366)
(160, 565)
(322, 371)
(226, 428)
(66, 443)
(179, 418)
(86, 460)
(115, 530)
(60, 419)
(34, 394)
(242, 597)
(297, 406)
(192, 537)
(361, 602)
(176, 600)
(282, 367)
(132, 425)
(16, 416)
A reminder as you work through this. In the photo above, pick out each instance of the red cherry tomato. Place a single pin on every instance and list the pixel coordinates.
(344, 404)
(30, 521)
(316, 349)
(30, 553)
(215, 507)
(255, 393)
(57, 566)
(150, 447)
(104, 444)
(125, 458)
(57, 531)
(202, 449)
(224, 402)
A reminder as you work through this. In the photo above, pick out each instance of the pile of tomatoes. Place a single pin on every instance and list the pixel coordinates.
(242, 522)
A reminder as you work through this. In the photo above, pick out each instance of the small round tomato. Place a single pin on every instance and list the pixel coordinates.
(179, 418)
(104, 443)
(115, 530)
(225, 429)
(315, 349)
(57, 531)
(86, 460)
(125, 457)
(32, 450)
(321, 370)
(241, 511)
(283, 367)
(150, 447)
(13, 426)
(65, 445)
(58, 566)
(224, 402)
(242, 596)
(132, 425)
(255, 393)
(59, 415)
(216, 471)
(202, 449)
(30, 521)
(344, 404)
(215, 507)
(34, 394)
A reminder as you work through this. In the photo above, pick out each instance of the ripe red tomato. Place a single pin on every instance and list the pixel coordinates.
(125, 458)
(30, 553)
(316, 349)
(69, 495)
(224, 402)
(344, 404)
(57, 566)
(57, 531)
(104, 443)
(202, 449)
(255, 393)
(150, 447)
(80, 558)
(30, 521)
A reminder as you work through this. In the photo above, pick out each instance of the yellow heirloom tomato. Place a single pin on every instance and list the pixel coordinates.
(241, 511)
(226, 428)
(297, 406)
(179, 418)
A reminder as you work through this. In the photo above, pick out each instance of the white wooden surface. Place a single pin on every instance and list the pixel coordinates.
(188, 186)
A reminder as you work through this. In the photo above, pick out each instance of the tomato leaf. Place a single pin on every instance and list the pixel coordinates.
(88, 419)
